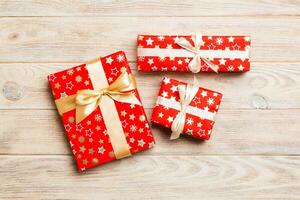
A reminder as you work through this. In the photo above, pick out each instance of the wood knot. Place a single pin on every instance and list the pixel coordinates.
(259, 102)
(12, 91)
(13, 36)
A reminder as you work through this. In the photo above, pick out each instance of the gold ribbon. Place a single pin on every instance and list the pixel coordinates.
(195, 64)
(86, 101)
(186, 95)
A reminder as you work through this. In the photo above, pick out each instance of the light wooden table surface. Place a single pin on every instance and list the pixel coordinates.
(254, 152)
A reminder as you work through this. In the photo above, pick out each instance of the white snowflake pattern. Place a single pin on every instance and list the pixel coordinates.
(219, 41)
(120, 58)
(133, 128)
(210, 101)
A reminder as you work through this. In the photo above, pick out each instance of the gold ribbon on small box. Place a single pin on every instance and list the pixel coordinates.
(103, 96)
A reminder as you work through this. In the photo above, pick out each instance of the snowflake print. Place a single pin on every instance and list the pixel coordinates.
(210, 101)
(219, 41)
(98, 118)
(120, 58)
(133, 128)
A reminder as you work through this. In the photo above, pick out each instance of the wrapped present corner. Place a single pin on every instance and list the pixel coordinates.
(101, 110)
(186, 108)
(195, 53)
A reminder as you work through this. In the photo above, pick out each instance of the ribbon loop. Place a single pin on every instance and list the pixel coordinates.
(195, 64)
(186, 95)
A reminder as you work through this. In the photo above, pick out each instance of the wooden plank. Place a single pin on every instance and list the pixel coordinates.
(244, 132)
(77, 39)
(152, 177)
(267, 86)
(148, 8)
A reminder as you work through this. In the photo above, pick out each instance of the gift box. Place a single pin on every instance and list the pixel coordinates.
(185, 108)
(193, 53)
(101, 110)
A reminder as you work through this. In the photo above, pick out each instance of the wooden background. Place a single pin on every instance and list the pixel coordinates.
(254, 152)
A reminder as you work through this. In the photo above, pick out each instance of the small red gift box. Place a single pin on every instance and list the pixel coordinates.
(101, 110)
(187, 109)
(193, 53)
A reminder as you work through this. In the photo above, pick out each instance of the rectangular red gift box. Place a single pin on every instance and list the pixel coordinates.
(200, 112)
(113, 128)
(162, 53)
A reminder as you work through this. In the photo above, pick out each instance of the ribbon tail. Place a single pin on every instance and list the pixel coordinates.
(175, 135)
(214, 67)
(65, 104)
(85, 110)
(177, 125)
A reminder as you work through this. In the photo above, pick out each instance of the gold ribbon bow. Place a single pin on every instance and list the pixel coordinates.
(195, 64)
(86, 101)
(186, 95)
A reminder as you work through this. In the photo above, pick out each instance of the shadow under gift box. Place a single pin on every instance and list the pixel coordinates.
(101, 110)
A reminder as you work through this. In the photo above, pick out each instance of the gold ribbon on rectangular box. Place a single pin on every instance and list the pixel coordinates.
(103, 96)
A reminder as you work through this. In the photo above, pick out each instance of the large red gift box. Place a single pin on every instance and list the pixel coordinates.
(176, 52)
(103, 122)
(199, 113)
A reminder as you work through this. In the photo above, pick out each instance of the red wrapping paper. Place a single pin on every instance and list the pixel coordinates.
(217, 49)
(195, 126)
(89, 139)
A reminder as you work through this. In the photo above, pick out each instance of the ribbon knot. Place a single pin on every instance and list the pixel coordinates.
(186, 95)
(195, 64)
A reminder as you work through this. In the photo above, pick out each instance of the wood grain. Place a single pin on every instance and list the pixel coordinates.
(266, 86)
(152, 177)
(148, 8)
(254, 150)
(78, 39)
(245, 132)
